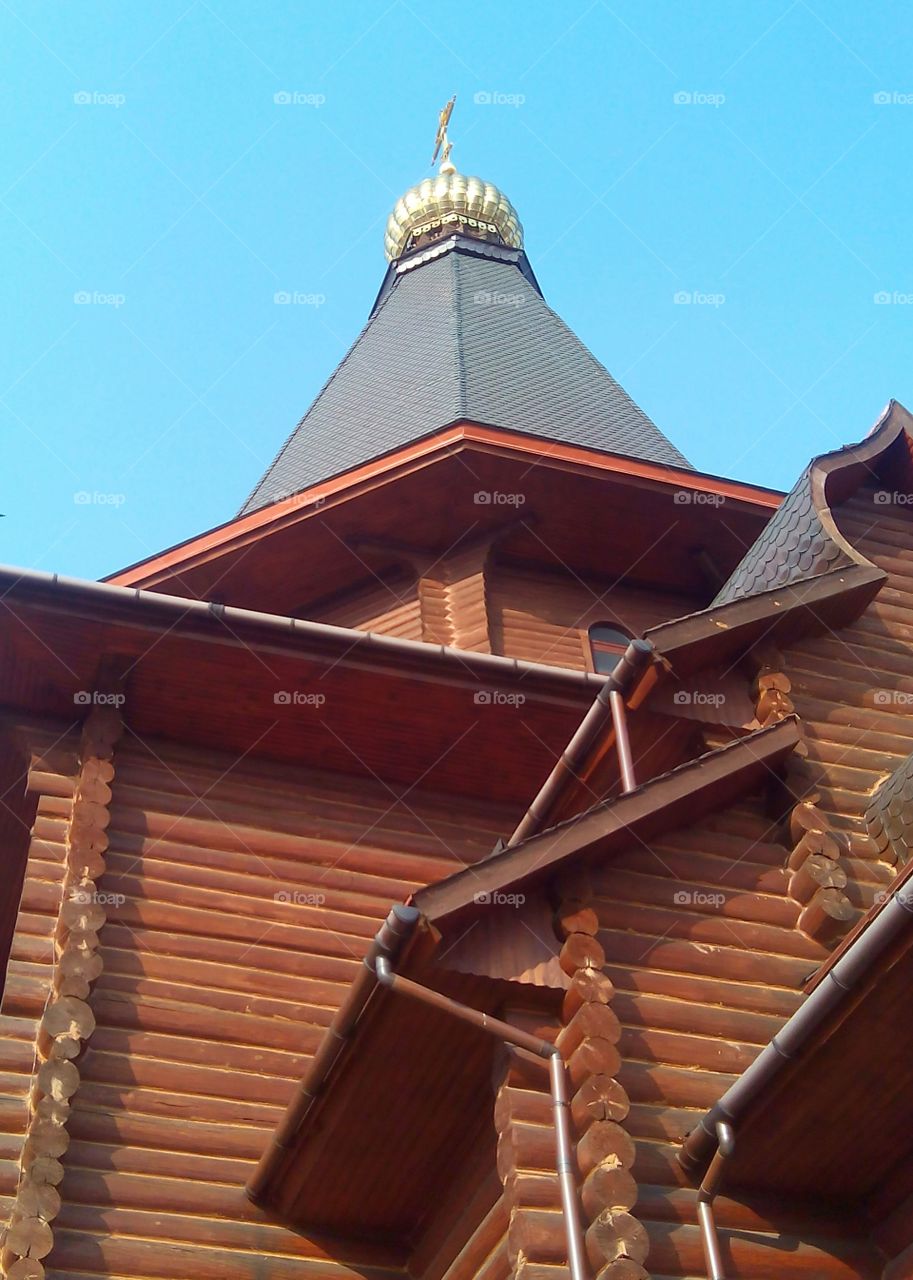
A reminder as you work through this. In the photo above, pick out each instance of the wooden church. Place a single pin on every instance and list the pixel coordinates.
(485, 856)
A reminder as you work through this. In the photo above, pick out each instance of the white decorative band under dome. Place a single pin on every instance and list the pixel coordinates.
(451, 197)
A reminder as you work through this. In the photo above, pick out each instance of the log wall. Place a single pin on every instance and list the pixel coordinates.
(616, 1242)
(853, 690)
(453, 596)
(390, 609)
(32, 958)
(526, 1159)
(64, 865)
(700, 942)
(470, 601)
(17, 813)
(442, 600)
(545, 618)
(241, 898)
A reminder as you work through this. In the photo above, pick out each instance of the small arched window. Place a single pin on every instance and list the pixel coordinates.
(607, 644)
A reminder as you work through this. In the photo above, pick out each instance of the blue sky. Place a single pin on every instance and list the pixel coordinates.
(754, 155)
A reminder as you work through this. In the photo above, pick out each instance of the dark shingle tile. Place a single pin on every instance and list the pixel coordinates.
(463, 335)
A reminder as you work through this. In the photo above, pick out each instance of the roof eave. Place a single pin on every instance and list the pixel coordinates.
(206, 622)
(725, 633)
(652, 807)
(741, 764)
(837, 988)
(722, 632)
(387, 468)
(776, 556)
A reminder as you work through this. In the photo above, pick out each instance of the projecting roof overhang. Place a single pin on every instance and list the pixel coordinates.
(803, 540)
(801, 576)
(825, 1112)
(470, 456)
(682, 795)
(714, 641)
(237, 681)
(393, 1047)
(723, 633)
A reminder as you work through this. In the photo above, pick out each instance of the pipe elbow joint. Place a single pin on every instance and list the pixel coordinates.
(725, 1138)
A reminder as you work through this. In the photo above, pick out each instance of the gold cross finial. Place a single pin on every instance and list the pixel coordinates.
(442, 143)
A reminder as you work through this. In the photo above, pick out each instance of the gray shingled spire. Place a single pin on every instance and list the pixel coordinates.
(460, 331)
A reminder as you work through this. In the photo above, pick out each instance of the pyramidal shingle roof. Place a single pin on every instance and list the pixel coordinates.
(460, 332)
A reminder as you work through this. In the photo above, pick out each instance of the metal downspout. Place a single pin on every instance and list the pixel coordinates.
(705, 1197)
(609, 702)
(559, 1090)
(622, 741)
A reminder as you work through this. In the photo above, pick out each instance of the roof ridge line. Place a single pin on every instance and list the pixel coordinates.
(375, 312)
(608, 373)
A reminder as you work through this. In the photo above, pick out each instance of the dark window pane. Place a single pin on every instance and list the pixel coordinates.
(607, 644)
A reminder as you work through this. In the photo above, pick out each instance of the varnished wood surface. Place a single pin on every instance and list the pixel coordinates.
(853, 688)
(596, 512)
(218, 984)
(216, 989)
(700, 942)
(498, 607)
(16, 818)
(546, 617)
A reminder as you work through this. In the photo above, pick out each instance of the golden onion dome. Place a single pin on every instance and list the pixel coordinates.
(451, 201)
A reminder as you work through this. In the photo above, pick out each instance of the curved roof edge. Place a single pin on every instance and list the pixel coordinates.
(802, 540)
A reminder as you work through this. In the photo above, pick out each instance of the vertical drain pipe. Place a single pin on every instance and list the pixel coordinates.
(557, 1073)
(559, 1090)
(610, 701)
(622, 741)
(705, 1197)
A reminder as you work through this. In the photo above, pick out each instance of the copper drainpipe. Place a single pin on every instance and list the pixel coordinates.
(608, 704)
(557, 1079)
(705, 1197)
(622, 741)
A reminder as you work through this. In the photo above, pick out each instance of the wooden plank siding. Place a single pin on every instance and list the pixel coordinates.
(701, 944)
(389, 608)
(545, 618)
(854, 688)
(471, 602)
(248, 895)
(468, 1237)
